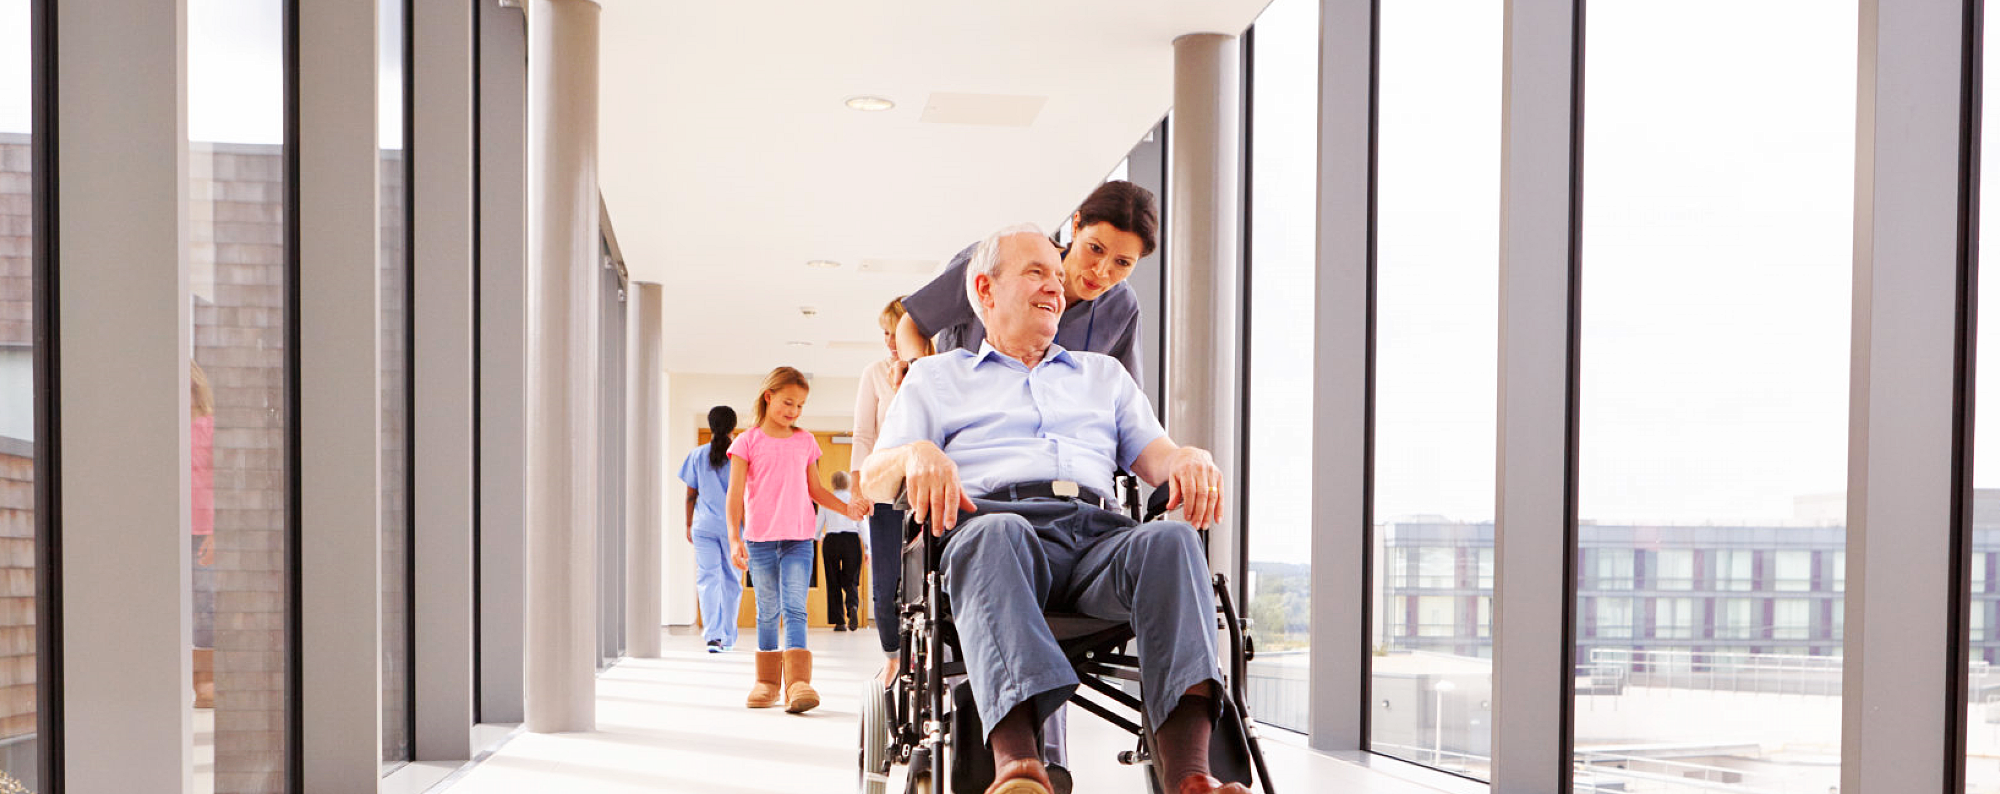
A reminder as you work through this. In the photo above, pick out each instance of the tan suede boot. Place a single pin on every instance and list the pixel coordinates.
(799, 693)
(204, 678)
(770, 668)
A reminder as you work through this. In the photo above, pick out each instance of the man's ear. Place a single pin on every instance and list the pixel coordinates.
(982, 286)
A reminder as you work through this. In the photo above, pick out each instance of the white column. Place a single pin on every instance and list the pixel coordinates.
(563, 247)
(1340, 522)
(441, 64)
(1899, 712)
(121, 260)
(340, 396)
(1204, 268)
(1534, 511)
(644, 466)
(503, 357)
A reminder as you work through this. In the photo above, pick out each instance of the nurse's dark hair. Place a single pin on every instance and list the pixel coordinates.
(778, 379)
(1126, 206)
(721, 422)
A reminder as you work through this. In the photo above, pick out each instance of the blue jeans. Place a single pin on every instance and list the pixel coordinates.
(716, 585)
(781, 571)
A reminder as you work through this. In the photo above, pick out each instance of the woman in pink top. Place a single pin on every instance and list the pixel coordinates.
(773, 484)
(201, 443)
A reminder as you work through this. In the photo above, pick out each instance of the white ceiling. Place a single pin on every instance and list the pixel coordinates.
(728, 158)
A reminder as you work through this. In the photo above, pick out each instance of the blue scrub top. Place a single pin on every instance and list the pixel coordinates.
(711, 485)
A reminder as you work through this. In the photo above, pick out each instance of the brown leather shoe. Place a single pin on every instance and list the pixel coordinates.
(1204, 784)
(1021, 777)
(770, 669)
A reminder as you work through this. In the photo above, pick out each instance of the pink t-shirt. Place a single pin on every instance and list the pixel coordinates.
(776, 504)
(201, 443)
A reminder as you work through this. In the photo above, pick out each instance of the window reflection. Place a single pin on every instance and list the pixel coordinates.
(1285, 49)
(1437, 277)
(20, 720)
(395, 407)
(238, 375)
(1717, 255)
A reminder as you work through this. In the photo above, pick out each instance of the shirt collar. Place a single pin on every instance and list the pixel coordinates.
(1055, 353)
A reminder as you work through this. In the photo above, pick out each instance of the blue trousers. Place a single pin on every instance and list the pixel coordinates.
(781, 570)
(716, 587)
(1006, 563)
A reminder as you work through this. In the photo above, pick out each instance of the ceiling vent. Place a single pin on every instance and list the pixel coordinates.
(988, 110)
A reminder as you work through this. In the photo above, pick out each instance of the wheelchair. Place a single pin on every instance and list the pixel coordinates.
(927, 723)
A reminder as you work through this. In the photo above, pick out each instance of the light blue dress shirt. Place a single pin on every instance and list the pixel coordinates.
(1075, 416)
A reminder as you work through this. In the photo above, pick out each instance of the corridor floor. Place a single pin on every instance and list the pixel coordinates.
(677, 724)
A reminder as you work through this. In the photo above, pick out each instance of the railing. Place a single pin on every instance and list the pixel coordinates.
(1612, 669)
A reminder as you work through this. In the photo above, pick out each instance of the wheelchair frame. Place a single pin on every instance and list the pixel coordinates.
(925, 729)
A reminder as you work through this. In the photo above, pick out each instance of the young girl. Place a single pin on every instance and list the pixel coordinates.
(706, 472)
(774, 468)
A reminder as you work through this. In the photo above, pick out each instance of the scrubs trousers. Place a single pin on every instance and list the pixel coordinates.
(716, 586)
(1007, 562)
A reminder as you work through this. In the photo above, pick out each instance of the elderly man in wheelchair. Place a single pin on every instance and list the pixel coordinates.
(1008, 455)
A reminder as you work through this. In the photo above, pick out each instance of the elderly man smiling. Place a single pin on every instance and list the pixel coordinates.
(1024, 436)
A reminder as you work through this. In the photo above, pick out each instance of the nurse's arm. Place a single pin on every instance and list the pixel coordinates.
(910, 340)
(692, 494)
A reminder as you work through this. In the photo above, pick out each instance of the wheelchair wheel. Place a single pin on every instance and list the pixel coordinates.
(874, 772)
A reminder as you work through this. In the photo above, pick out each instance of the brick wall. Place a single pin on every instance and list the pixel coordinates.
(237, 261)
(17, 475)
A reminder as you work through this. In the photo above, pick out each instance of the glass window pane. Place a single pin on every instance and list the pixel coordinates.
(1285, 126)
(1437, 286)
(238, 266)
(395, 330)
(20, 720)
(1674, 569)
(1717, 263)
(1982, 729)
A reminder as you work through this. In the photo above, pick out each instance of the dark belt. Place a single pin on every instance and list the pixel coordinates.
(1050, 490)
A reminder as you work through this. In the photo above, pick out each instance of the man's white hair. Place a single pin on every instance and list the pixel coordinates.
(987, 257)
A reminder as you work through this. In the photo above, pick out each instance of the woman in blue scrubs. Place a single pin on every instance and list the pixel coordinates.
(706, 473)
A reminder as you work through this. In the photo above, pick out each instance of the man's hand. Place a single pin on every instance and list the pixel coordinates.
(1195, 483)
(859, 508)
(930, 480)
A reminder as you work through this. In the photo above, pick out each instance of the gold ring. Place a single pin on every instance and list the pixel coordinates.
(1211, 489)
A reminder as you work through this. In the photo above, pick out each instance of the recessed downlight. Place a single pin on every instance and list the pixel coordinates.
(870, 104)
(799, 343)
(823, 264)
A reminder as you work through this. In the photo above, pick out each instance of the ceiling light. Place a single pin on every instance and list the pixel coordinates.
(823, 264)
(869, 103)
(797, 343)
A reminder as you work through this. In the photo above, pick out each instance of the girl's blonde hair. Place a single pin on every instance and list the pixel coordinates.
(779, 378)
(201, 399)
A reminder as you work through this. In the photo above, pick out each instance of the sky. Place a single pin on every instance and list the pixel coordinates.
(1717, 244)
